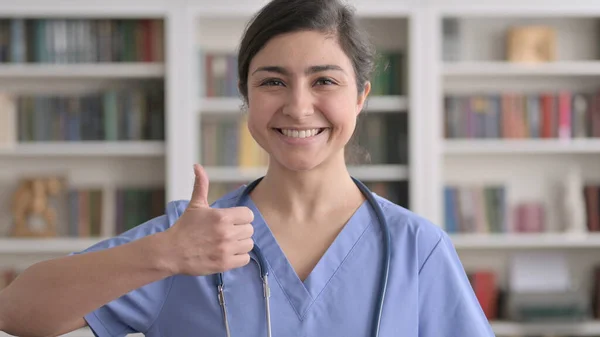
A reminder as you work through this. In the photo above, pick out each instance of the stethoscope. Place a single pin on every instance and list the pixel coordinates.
(264, 270)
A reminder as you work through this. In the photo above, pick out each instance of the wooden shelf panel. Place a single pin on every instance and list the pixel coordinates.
(461, 242)
(86, 149)
(483, 68)
(84, 332)
(75, 70)
(232, 105)
(366, 173)
(502, 329)
(523, 146)
(45, 245)
(525, 241)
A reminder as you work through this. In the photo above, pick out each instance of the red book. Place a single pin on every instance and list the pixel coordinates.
(564, 115)
(484, 286)
(591, 202)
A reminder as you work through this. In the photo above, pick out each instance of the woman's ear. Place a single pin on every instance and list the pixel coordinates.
(362, 97)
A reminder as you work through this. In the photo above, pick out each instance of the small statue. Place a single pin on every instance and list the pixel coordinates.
(33, 215)
(573, 202)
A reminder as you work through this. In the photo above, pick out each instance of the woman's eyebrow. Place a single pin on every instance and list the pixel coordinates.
(308, 71)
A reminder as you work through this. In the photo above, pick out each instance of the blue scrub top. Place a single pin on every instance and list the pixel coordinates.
(428, 293)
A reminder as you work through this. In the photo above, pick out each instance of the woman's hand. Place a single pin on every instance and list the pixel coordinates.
(207, 240)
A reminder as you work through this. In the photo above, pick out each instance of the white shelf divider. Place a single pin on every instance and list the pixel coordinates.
(364, 172)
(525, 146)
(526, 241)
(491, 68)
(83, 332)
(99, 70)
(502, 329)
(86, 149)
(232, 105)
(45, 245)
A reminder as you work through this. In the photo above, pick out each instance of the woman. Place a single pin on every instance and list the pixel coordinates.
(304, 67)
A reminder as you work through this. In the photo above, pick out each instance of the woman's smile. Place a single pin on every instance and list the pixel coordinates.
(304, 136)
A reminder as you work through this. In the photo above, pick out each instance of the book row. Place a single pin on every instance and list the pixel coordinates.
(539, 305)
(378, 139)
(81, 211)
(111, 115)
(133, 207)
(475, 209)
(60, 40)
(221, 78)
(562, 114)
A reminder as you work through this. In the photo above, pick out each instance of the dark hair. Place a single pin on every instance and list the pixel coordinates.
(327, 16)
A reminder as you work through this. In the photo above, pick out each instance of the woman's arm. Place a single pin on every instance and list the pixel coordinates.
(60, 292)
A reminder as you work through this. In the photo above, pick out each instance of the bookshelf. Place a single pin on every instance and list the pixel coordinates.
(530, 169)
(529, 159)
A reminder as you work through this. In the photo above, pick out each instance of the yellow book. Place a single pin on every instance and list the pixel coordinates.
(8, 123)
(247, 154)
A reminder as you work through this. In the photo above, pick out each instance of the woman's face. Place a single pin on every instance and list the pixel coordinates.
(302, 99)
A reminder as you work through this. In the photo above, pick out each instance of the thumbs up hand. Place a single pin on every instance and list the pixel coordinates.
(208, 240)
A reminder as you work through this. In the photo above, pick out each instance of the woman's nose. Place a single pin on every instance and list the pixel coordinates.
(299, 103)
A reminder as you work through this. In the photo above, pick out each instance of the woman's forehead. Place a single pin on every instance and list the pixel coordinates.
(301, 51)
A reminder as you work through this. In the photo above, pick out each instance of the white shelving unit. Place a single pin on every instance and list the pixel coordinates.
(531, 167)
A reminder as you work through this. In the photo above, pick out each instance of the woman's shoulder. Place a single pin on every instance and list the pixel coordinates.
(410, 230)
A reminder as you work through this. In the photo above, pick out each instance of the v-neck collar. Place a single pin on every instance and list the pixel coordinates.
(302, 295)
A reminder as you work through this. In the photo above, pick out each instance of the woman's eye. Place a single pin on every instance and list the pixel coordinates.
(324, 81)
(272, 83)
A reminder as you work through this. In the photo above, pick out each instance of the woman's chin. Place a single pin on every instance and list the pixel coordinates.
(299, 164)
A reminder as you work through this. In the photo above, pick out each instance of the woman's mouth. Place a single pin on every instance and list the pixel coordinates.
(306, 133)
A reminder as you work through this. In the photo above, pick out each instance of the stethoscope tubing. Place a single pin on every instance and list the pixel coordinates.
(264, 270)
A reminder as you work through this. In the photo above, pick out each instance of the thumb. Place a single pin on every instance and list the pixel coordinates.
(200, 192)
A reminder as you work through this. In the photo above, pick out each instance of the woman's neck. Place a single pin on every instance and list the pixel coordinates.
(304, 195)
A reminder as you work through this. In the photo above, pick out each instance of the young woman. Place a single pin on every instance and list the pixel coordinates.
(304, 70)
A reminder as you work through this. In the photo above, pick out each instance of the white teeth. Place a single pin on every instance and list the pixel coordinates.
(299, 134)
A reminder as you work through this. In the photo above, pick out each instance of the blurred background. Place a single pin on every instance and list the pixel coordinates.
(483, 118)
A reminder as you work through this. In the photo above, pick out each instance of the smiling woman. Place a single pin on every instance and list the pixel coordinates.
(345, 261)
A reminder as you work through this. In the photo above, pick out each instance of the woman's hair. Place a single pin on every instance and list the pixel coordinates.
(326, 16)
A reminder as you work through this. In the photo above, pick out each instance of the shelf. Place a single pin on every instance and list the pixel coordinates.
(538, 329)
(73, 71)
(84, 332)
(77, 333)
(521, 146)
(45, 245)
(386, 104)
(562, 68)
(232, 105)
(525, 241)
(86, 149)
(461, 241)
(365, 173)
